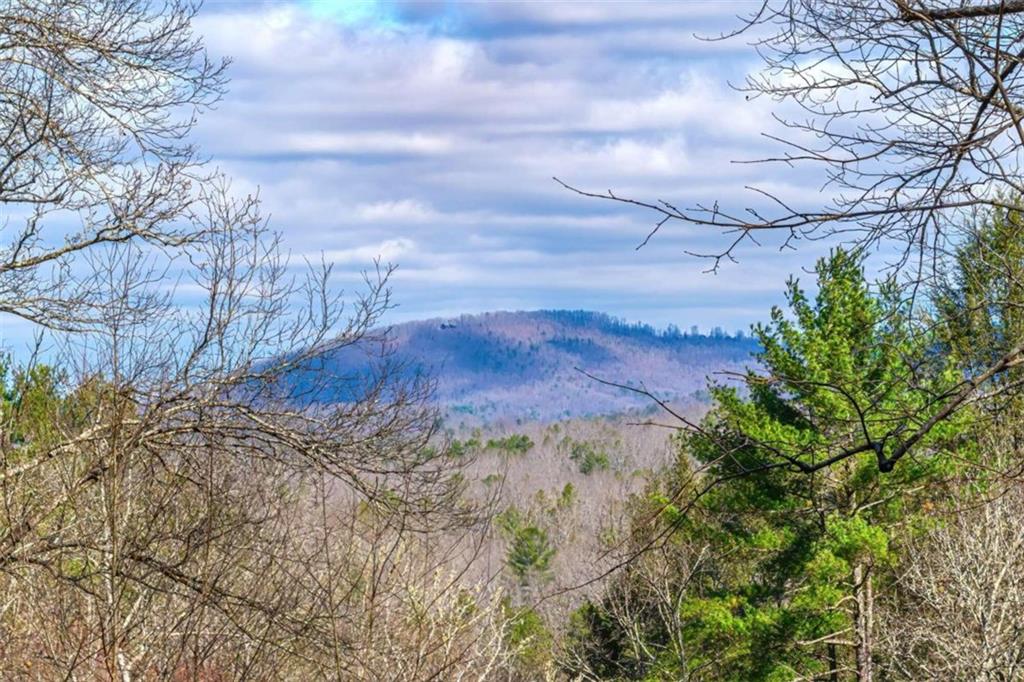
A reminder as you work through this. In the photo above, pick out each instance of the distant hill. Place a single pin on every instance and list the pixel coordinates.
(521, 365)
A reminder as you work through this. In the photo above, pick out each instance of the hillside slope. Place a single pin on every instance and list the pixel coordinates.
(523, 365)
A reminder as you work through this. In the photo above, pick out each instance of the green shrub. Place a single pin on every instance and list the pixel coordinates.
(461, 448)
(567, 497)
(515, 444)
(531, 639)
(529, 547)
(588, 458)
(530, 553)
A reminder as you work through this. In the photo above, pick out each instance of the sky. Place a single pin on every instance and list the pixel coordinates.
(427, 133)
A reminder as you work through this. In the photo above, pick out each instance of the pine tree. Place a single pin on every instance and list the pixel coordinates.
(797, 552)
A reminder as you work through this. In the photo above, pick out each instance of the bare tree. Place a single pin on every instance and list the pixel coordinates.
(198, 492)
(201, 493)
(910, 110)
(641, 615)
(956, 610)
(97, 101)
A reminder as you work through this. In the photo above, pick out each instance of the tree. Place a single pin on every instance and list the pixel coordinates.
(530, 550)
(165, 483)
(953, 611)
(910, 112)
(850, 368)
(956, 610)
(636, 627)
(910, 108)
(198, 492)
(979, 305)
(99, 99)
(787, 520)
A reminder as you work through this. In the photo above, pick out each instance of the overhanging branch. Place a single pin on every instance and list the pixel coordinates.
(908, 14)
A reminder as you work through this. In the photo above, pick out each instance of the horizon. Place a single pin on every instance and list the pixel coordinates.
(453, 181)
(692, 329)
(415, 340)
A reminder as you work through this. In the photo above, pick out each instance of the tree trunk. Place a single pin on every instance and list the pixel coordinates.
(865, 601)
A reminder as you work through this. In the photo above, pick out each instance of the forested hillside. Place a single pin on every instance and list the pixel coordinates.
(529, 365)
(216, 465)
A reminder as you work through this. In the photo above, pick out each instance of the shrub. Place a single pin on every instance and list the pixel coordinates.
(529, 549)
(530, 553)
(588, 458)
(515, 444)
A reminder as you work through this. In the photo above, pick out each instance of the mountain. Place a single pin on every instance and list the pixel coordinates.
(523, 365)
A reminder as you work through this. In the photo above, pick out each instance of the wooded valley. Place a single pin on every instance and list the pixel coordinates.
(216, 465)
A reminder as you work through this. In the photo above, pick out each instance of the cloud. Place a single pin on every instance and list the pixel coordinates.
(400, 211)
(427, 134)
(387, 251)
(370, 142)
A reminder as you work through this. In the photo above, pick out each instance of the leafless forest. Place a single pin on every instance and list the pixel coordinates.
(198, 482)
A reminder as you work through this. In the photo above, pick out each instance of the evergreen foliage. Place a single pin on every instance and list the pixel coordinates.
(787, 591)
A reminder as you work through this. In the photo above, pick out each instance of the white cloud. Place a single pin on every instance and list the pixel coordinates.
(435, 148)
(402, 210)
(700, 103)
(388, 251)
(364, 143)
(562, 14)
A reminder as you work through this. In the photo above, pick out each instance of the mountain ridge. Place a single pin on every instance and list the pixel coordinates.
(525, 365)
